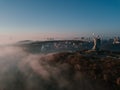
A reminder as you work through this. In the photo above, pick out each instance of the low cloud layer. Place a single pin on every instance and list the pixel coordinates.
(24, 71)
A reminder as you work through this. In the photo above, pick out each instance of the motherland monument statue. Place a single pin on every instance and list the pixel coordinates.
(97, 43)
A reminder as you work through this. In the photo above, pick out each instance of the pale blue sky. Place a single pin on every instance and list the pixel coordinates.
(60, 16)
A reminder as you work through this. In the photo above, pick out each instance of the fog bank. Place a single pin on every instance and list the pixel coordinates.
(20, 70)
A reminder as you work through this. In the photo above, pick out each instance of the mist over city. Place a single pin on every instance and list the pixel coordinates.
(59, 45)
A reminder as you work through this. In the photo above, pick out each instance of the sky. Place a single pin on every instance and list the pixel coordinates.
(38, 19)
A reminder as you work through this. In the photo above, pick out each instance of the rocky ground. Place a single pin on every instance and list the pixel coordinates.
(103, 67)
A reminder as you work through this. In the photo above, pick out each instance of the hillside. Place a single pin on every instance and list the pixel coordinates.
(102, 67)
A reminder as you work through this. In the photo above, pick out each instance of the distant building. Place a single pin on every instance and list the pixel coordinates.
(50, 39)
(116, 40)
